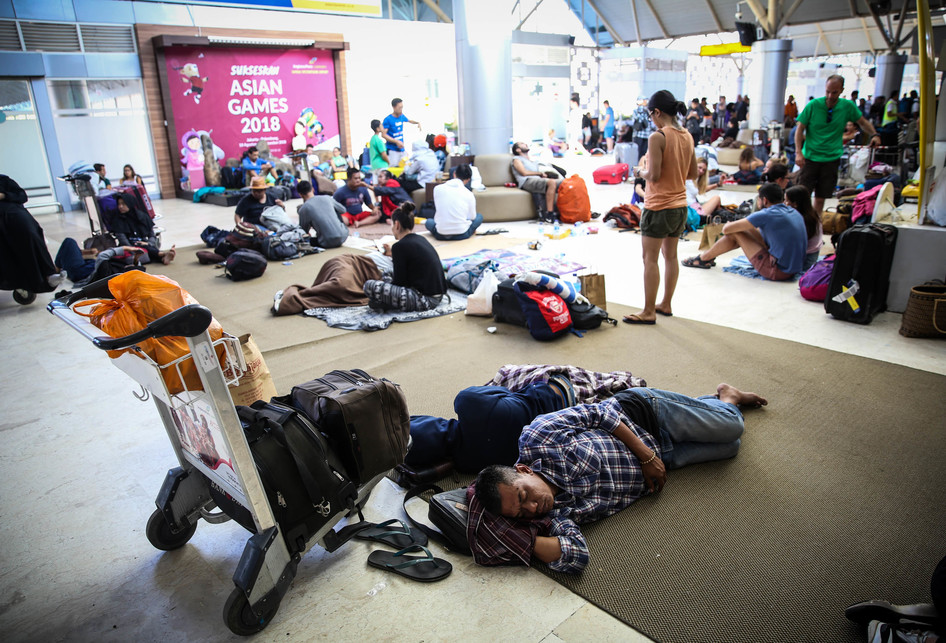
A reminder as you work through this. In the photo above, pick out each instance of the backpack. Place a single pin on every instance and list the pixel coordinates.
(275, 248)
(546, 314)
(573, 202)
(625, 216)
(587, 316)
(465, 276)
(813, 285)
(230, 178)
(211, 236)
(245, 264)
(449, 512)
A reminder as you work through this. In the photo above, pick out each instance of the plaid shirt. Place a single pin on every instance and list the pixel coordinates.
(596, 473)
(589, 386)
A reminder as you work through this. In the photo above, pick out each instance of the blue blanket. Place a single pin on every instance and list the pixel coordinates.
(742, 266)
(363, 318)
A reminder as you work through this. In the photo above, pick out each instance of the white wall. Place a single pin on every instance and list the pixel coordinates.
(23, 158)
(414, 61)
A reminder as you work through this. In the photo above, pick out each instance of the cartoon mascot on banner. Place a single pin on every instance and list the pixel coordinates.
(189, 74)
(307, 126)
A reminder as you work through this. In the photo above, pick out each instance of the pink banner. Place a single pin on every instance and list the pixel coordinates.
(285, 97)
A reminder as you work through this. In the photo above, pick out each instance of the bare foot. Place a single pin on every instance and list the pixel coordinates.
(169, 256)
(731, 394)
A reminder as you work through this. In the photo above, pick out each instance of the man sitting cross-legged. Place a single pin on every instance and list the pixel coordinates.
(590, 461)
(774, 238)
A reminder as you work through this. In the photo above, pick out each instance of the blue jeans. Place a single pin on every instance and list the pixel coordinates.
(432, 227)
(693, 430)
(70, 259)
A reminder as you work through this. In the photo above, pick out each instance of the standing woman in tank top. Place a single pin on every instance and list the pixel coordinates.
(669, 162)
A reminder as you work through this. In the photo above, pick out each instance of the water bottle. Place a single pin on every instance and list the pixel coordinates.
(555, 230)
(541, 229)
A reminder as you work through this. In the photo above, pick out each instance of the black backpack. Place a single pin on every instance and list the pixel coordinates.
(230, 178)
(245, 264)
(449, 513)
(275, 249)
(304, 480)
(587, 316)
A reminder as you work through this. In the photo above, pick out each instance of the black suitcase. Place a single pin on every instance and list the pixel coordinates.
(861, 276)
(304, 480)
(506, 306)
(365, 419)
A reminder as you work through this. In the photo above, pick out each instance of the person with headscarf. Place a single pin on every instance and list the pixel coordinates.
(25, 263)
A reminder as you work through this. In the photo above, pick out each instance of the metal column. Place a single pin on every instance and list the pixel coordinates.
(484, 70)
(889, 75)
(768, 75)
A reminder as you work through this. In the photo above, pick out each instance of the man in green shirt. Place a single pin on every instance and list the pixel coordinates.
(818, 139)
(377, 150)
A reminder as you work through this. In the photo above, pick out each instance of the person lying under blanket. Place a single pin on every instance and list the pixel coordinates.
(590, 461)
(340, 282)
(491, 417)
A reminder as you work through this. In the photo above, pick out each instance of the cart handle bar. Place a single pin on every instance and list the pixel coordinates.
(187, 321)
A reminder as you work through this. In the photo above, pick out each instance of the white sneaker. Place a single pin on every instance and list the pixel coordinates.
(276, 299)
(55, 279)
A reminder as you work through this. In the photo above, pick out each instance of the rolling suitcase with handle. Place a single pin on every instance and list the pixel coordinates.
(627, 153)
(616, 173)
(861, 276)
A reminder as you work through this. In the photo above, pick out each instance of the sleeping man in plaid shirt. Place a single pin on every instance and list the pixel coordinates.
(590, 461)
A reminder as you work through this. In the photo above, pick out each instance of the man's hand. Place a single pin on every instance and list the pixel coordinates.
(875, 141)
(655, 475)
(799, 160)
(386, 249)
(280, 203)
(400, 144)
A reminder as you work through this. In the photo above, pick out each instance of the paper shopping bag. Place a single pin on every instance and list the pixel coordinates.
(592, 287)
(256, 382)
(711, 234)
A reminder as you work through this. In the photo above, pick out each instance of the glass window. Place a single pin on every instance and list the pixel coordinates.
(19, 130)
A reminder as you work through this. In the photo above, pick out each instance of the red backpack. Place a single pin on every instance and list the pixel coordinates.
(547, 315)
(573, 202)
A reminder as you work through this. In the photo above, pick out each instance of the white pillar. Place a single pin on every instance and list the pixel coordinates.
(889, 75)
(768, 75)
(484, 70)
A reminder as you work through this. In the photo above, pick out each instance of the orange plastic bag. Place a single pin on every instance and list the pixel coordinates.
(573, 202)
(141, 298)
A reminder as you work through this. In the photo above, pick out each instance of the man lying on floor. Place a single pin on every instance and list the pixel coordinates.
(590, 461)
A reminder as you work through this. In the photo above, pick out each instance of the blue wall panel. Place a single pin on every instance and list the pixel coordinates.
(104, 11)
(154, 13)
(61, 10)
(22, 64)
(6, 9)
(65, 65)
(112, 66)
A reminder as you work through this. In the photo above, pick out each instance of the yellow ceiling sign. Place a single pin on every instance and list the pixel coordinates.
(724, 49)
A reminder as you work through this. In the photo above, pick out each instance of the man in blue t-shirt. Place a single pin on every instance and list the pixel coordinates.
(392, 130)
(355, 197)
(774, 238)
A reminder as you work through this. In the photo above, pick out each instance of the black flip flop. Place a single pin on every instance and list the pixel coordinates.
(635, 319)
(394, 533)
(425, 569)
(660, 312)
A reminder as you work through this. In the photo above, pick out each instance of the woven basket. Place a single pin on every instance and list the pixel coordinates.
(925, 315)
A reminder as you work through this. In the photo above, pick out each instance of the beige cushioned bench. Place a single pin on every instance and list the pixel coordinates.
(496, 203)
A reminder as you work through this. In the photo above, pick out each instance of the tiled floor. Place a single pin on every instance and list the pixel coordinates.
(80, 475)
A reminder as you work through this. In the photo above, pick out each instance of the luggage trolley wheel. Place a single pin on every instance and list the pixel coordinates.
(240, 618)
(24, 297)
(162, 537)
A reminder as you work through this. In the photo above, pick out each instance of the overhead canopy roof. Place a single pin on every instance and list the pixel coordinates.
(817, 27)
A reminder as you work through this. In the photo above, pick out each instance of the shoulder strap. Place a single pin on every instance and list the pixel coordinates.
(432, 533)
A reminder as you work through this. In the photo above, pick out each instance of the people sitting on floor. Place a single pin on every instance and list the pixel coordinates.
(531, 179)
(697, 197)
(750, 168)
(423, 166)
(390, 193)
(251, 206)
(851, 134)
(417, 281)
(24, 259)
(130, 177)
(253, 165)
(100, 183)
(799, 198)
(778, 173)
(774, 238)
(360, 209)
(321, 214)
(587, 462)
(455, 215)
(77, 262)
(131, 225)
(729, 136)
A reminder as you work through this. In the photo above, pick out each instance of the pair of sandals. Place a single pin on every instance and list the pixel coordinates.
(395, 533)
(696, 262)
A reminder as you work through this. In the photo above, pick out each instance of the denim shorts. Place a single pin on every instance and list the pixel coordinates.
(663, 223)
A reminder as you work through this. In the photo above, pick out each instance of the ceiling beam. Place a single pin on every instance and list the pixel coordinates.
(660, 23)
(761, 16)
(870, 41)
(607, 25)
(528, 15)
(791, 11)
(637, 28)
(437, 10)
(852, 7)
(712, 11)
(824, 38)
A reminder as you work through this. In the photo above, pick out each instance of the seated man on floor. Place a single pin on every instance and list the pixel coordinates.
(774, 238)
(456, 217)
(250, 207)
(531, 179)
(253, 165)
(321, 213)
(355, 196)
(590, 461)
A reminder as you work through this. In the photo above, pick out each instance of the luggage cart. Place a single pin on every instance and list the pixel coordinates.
(848, 176)
(213, 457)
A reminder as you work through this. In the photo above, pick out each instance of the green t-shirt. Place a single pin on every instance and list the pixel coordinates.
(376, 148)
(823, 140)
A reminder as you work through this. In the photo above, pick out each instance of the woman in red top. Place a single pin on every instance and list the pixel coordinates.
(669, 162)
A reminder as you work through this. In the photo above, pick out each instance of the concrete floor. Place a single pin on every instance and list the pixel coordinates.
(83, 463)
